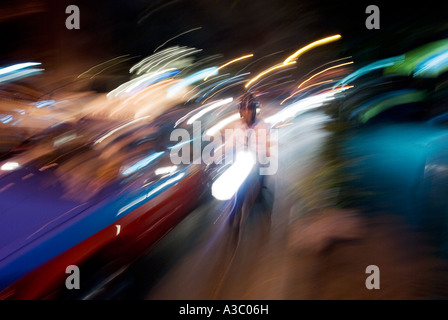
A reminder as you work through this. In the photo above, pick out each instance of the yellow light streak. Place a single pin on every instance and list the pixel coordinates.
(323, 71)
(303, 89)
(291, 59)
(278, 66)
(310, 46)
(230, 62)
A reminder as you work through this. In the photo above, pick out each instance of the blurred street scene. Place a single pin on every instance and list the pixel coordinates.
(111, 130)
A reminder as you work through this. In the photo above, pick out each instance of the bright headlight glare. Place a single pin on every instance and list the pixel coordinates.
(230, 181)
(9, 166)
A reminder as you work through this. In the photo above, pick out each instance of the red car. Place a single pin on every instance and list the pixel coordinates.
(96, 195)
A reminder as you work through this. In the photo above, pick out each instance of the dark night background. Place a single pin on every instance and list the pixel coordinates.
(34, 30)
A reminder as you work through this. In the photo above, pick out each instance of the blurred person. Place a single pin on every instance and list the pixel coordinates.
(250, 134)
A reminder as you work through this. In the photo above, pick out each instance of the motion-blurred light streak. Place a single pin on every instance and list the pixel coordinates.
(142, 163)
(197, 90)
(221, 124)
(380, 64)
(101, 64)
(433, 66)
(110, 133)
(171, 55)
(10, 166)
(303, 106)
(225, 187)
(259, 59)
(208, 109)
(20, 74)
(326, 63)
(275, 82)
(152, 192)
(199, 75)
(221, 83)
(323, 71)
(18, 66)
(150, 79)
(43, 103)
(165, 170)
(230, 62)
(142, 81)
(386, 101)
(177, 36)
(206, 62)
(292, 58)
(222, 89)
(261, 74)
(413, 59)
(306, 88)
(6, 118)
(149, 58)
(196, 110)
(310, 46)
(171, 61)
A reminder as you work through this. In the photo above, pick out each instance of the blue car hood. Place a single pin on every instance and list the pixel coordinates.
(31, 204)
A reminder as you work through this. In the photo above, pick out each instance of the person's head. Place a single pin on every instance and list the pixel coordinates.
(248, 108)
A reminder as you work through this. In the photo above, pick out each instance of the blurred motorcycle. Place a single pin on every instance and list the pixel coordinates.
(240, 183)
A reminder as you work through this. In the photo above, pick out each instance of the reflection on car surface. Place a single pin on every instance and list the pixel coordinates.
(89, 191)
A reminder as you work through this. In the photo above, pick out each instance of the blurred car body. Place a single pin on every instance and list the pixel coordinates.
(395, 145)
(90, 193)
